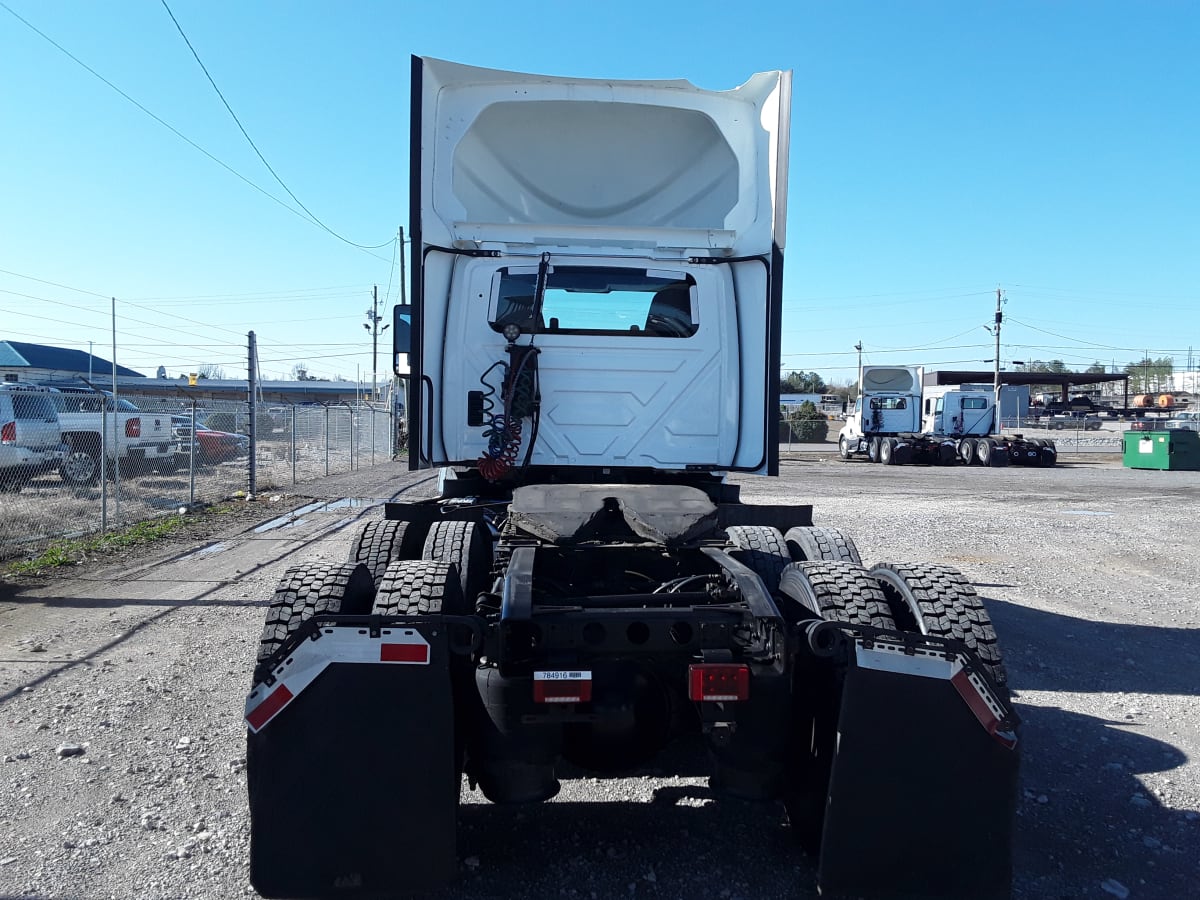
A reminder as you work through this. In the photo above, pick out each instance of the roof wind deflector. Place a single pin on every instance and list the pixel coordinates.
(541, 162)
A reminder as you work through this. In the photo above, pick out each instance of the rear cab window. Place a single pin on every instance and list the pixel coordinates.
(596, 300)
(33, 406)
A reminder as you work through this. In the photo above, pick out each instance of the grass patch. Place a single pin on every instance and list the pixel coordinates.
(67, 552)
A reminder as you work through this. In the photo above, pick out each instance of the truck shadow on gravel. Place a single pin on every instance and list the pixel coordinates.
(680, 842)
(1100, 797)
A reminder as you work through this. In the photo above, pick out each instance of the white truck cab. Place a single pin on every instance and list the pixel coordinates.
(959, 413)
(889, 402)
(629, 285)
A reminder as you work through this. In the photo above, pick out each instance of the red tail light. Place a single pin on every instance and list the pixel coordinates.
(718, 682)
(8, 433)
(133, 428)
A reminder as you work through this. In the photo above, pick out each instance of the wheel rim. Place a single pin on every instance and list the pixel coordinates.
(79, 467)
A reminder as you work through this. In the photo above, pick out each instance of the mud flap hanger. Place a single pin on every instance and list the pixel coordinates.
(923, 656)
(464, 636)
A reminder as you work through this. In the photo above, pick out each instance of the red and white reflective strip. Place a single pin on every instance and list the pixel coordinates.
(930, 664)
(395, 646)
(562, 686)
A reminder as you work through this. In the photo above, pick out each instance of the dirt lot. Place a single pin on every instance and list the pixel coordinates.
(1089, 571)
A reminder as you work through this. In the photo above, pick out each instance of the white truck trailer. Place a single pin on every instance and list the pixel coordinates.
(887, 425)
(593, 344)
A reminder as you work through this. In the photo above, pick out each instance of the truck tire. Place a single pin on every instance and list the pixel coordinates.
(423, 587)
(81, 466)
(381, 542)
(946, 455)
(837, 592)
(307, 591)
(939, 601)
(887, 451)
(762, 549)
(984, 449)
(420, 587)
(468, 546)
(1049, 453)
(873, 449)
(845, 450)
(810, 543)
(967, 451)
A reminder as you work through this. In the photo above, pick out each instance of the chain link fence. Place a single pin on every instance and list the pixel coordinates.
(217, 451)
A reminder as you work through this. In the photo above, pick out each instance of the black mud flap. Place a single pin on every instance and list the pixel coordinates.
(924, 783)
(351, 766)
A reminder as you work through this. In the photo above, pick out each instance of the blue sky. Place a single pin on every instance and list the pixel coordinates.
(939, 150)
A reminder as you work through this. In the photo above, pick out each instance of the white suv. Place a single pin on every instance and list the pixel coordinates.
(30, 436)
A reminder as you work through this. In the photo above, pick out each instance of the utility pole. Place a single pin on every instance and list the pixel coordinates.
(996, 332)
(372, 325)
(252, 387)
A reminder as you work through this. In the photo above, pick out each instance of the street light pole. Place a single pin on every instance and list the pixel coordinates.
(858, 347)
(372, 325)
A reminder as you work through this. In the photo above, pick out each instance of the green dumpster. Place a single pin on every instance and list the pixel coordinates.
(1162, 449)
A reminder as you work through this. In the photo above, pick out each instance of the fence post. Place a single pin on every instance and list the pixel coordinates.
(192, 457)
(252, 407)
(103, 466)
(326, 440)
(293, 409)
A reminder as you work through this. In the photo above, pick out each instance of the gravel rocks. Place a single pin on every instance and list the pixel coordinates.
(145, 668)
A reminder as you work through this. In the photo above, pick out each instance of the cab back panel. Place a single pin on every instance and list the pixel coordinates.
(515, 168)
(606, 399)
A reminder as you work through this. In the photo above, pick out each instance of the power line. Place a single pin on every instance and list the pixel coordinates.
(254, 146)
(175, 131)
(1089, 343)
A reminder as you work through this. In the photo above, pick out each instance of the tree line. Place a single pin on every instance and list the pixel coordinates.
(1146, 376)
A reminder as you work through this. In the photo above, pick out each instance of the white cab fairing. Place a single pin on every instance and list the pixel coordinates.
(629, 187)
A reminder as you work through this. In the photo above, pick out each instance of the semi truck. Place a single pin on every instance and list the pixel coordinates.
(592, 349)
(887, 425)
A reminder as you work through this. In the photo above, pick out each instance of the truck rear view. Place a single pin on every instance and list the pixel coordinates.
(593, 346)
(895, 422)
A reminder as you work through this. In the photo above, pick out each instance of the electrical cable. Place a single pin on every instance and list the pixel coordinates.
(179, 134)
(254, 146)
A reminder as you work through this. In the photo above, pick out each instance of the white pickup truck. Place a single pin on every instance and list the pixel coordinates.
(136, 441)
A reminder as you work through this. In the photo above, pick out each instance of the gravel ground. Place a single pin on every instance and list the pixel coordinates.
(121, 691)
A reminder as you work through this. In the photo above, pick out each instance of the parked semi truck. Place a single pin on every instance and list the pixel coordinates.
(886, 426)
(592, 347)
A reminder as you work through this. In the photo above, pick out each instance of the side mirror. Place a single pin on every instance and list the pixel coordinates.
(401, 329)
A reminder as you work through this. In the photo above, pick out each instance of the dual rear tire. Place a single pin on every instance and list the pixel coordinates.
(466, 545)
